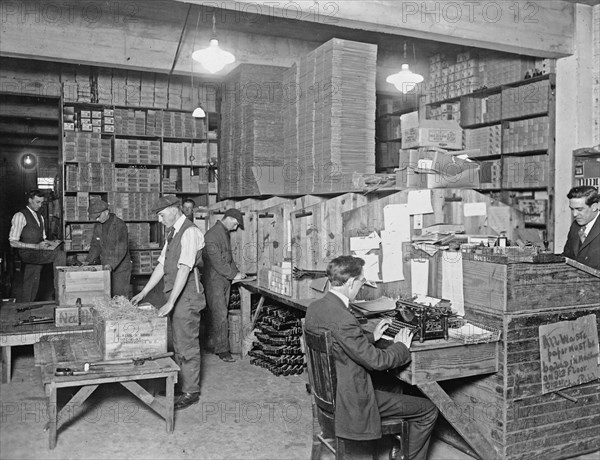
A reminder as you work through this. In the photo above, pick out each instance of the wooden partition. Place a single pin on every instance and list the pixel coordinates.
(317, 237)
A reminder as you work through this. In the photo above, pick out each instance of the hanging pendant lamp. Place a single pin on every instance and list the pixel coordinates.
(213, 58)
(405, 81)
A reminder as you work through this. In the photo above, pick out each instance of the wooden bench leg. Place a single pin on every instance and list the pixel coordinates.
(6, 364)
(170, 412)
(52, 416)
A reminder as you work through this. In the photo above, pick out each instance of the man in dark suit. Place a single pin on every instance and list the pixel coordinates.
(110, 244)
(359, 404)
(219, 272)
(583, 241)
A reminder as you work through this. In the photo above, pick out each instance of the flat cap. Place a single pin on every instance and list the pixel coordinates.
(96, 208)
(164, 202)
(237, 215)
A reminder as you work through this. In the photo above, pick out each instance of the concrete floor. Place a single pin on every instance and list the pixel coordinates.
(244, 412)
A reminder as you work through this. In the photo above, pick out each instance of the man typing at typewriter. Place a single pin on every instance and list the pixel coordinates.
(359, 404)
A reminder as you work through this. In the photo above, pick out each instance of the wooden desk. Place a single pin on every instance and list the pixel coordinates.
(27, 334)
(54, 351)
(432, 361)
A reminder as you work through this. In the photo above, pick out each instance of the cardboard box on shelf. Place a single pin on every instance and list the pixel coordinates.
(430, 133)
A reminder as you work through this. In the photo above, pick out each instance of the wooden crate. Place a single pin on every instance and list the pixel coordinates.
(130, 338)
(495, 288)
(85, 283)
(509, 406)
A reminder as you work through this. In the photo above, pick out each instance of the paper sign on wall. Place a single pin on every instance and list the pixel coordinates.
(452, 280)
(419, 276)
(391, 265)
(568, 353)
(419, 202)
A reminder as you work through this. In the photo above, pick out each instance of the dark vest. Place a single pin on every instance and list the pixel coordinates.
(32, 233)
(172, 258)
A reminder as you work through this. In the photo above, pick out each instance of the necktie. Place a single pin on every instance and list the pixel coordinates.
(582, 234)
(170, 234)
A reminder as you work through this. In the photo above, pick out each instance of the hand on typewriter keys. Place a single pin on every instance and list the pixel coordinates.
(405, 335)
(381, 327)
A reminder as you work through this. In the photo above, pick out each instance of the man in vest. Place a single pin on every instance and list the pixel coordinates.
(177, 263)
(28, 235)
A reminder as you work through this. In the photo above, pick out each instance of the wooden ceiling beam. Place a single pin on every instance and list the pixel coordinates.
(24, 142)
(26, 109)
(33, 130)
(545, 29)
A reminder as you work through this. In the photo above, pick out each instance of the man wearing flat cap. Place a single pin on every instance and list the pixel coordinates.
(110, 243)
(219, 272)
(177, 263)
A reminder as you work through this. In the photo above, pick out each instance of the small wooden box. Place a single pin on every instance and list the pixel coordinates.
(85, 283)
(130, 338)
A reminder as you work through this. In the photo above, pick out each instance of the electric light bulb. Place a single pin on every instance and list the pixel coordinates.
(213, 58)
(405, 81)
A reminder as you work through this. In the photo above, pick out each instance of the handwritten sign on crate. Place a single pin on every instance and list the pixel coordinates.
(568, 353)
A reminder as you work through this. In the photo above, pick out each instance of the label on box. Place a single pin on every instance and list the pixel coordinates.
(85, 114)
(109, 121)
(109, 128)
(69, 126)
(96, 114)
(109, 112)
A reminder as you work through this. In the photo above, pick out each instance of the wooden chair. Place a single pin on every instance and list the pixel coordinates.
(323, 382)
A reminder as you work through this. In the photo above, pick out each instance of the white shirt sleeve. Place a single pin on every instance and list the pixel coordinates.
(192, 241)
(17, 225)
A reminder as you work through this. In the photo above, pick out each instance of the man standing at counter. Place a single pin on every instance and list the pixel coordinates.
(28, 235)
(583, 241)
(219, 272)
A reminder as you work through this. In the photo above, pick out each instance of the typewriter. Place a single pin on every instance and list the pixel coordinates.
(428, 322)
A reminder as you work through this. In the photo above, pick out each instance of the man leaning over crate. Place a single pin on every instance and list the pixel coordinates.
(28, 235)
(180, 256)
(110, 243)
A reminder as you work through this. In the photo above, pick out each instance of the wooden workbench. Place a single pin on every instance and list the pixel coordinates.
(432, 361)
(54, 352)
(12, 335)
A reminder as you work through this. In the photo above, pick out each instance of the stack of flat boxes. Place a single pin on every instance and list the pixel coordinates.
(76, 207)
(137, 151)
(108, 121)
(86, 147)
(133, 206)
(525, 172)
(194, 180)
(279, 278)
(452, 79)
(447, 111)
(139, 235)
(86, 177)
(144, 261)
(80, 236)
(524, 100)
(475, 110)
(84, 87)
(499, 69)
(488, 140)
(161, 91)
(147, 90)
(132, 93)
(104, 82)
(526, 135)
(174, 91)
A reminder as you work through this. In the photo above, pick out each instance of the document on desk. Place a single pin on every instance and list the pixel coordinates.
(374, 307)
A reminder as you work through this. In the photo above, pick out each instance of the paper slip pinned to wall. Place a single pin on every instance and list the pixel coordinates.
(371, 268)
(474, 209)
(391, 265)
(397, 219)
(419, 276)
(419, 202)
(452, 280)
(365, 243)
